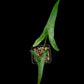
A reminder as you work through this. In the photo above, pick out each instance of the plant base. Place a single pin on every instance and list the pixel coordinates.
(38, 50)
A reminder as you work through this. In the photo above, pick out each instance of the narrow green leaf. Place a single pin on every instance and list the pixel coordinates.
(53, 15)
(52, 40)
(36, 56)
(44, 54)
(53, 43)
(41, 38)
(51, 24)
(41, 66)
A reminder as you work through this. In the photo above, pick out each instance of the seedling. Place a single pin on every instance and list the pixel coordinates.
(48, 33)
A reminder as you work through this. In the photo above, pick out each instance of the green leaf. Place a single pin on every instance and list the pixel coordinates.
(36, 56)
(40, 63)
(44, 54)
(41, 38)
(53, 43)
(41, 66)
(53, 15)
(50, 25)
(49, 28)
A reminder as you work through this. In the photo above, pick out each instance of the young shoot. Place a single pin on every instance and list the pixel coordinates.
(48, 32)
(49, 29)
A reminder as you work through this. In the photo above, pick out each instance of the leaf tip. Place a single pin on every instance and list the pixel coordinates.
(57, 49)
(58, 1)
(34, 45)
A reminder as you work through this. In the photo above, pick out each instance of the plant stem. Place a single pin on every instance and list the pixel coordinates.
(44, 44)
(45, 41)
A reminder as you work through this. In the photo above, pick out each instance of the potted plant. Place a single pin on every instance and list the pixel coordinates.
(41, 54)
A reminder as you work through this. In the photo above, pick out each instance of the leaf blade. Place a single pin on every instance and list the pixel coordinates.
(44, 54)
(41, 66)
(53, 43)
(36, 56)
(53, 15)
(41, 38)
(51, 24)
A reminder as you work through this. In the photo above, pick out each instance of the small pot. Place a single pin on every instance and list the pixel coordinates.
(38, 49)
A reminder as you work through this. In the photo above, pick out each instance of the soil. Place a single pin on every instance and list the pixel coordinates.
(38, 50)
